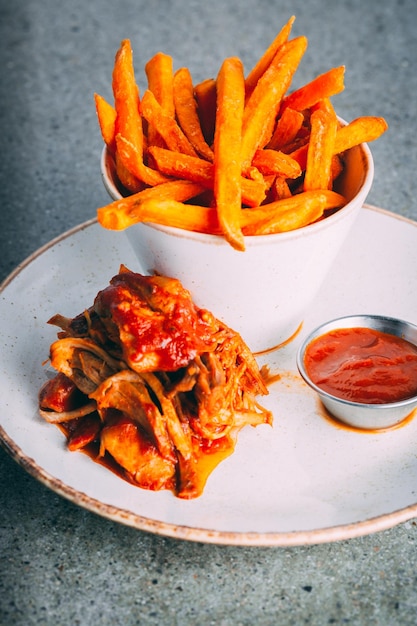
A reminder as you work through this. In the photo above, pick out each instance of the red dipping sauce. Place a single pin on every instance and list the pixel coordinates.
(363, 365)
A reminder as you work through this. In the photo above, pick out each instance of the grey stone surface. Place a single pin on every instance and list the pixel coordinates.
(59, 564)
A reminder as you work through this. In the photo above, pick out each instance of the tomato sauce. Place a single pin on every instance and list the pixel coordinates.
(363, 365)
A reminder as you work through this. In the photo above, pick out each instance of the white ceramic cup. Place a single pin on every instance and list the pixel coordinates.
(263, 292)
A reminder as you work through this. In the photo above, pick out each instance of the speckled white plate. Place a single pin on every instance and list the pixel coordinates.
(304, 481)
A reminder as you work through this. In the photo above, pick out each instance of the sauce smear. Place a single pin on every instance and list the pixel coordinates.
(363, 365)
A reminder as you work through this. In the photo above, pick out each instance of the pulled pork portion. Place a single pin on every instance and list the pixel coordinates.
(157, 386)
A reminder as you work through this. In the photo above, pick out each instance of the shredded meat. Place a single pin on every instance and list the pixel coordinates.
(161, 386)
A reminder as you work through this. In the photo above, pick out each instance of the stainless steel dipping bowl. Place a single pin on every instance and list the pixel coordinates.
(357, 414)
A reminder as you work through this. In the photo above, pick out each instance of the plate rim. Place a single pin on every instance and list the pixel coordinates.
(329, 534)
(158, 527)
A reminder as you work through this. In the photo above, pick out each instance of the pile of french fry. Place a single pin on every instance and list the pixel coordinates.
(232, 156)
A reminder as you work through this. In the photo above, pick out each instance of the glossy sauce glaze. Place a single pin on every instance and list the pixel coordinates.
(363, 365)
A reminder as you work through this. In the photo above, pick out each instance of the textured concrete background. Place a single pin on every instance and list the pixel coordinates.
(62, 565)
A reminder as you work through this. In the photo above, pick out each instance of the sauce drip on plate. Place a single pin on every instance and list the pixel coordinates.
(363, 365)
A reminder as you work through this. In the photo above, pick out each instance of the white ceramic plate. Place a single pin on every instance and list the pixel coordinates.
(306, 480)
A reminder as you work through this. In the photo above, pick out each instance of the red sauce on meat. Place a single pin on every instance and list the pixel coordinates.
(155, 319)
(363, 365)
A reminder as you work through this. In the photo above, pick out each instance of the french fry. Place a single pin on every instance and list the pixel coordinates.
(227, 150)
(131, 159)
(336, 167)
(198, 170)
(318, 173)
(301, 140)
(286, 129)
(325, 104)
(300, 155)
(265, 100)
(310, 211)
(160, 75)
(125, 176)
(324, 86)
(106, 114)
(265, 60)
(289, 213)
(167, 126)
(186, 110)
(276, 217)
(276, 162)
(280, 189)
(206, 96)
(125, 212)
(128, 122)
(180, 165)
(360, 130)
(170, 212)
(128, 126)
